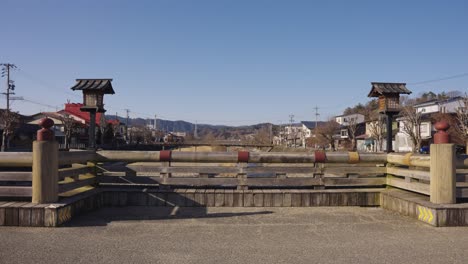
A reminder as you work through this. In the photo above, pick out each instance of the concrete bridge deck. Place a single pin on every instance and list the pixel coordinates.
(236, 235)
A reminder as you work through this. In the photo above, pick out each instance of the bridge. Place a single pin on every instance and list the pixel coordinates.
(48, 188)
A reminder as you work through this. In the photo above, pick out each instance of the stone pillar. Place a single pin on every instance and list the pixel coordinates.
(442, 168)
(45, 165)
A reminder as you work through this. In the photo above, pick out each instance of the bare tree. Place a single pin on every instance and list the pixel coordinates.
(69, 126)
(262, 136)
(352, 128)
(412, 126)
(462, 118)
(9, 121)
(102, 127)
(327, 131)
(377, 128)
(141, 135)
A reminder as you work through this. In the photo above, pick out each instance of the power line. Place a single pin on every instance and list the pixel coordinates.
(44, 83)
(441, 79)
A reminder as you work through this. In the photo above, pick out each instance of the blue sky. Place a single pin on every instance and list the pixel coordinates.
(230, 62)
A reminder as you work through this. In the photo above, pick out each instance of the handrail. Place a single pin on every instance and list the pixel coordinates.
(15, 159)
(233, 157)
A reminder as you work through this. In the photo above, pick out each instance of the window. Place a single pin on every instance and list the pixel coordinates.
(344, 133)
(424, 129)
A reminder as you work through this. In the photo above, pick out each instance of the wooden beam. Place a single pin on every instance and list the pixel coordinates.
(232, 157)
(68, 185)
(286, 182)
(66, 158)
(15, 191)
(129, 156)
(341, 182)
(15, 176)
(409, 159)
(75, 171)
(15, 159)
(409, 186)
(416, 174)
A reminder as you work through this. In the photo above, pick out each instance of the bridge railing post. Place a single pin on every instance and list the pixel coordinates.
(442, 167)
(45, 165)
(242, 162)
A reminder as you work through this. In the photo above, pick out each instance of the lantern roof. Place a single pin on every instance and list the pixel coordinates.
(101, 85)
(380, 88)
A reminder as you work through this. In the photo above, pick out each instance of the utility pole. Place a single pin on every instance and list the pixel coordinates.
(291, 121)
(10, 85)
(195, 133)
(126, 124)
(316, 121)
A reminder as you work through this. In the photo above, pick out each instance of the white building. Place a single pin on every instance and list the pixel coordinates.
(345, 120)
(451, 105)
(297, 134)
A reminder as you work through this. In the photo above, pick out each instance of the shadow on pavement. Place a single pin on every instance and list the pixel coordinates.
(104, 216)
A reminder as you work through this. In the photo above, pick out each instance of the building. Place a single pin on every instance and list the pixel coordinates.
(348, 123)
(427, 130)
(295, 135)
(81, 120)
(346, 120)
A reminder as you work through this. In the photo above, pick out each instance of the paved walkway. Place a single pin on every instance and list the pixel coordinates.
(236, 235)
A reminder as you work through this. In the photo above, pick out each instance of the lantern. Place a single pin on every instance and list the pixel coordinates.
(93, 101)
(389, 102)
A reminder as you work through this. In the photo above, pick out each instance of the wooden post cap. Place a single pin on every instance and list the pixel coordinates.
(441, 137)
(45, 134)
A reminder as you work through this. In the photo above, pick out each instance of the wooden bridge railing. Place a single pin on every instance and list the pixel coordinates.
(15, 179)
(242, 169)
(45, 174)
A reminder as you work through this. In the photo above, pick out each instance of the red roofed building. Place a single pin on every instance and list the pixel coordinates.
(74, 110)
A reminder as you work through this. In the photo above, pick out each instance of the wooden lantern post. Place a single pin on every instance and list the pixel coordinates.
(93, 102)
(389, 103)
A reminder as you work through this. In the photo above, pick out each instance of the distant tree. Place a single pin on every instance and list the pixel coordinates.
(109, 134)
(69, 126)
(412, 126)
(327, 131)
(462, 118)
(357, 109)
(352, 128)
(10, 121)
(262, 136)
(455, 134)
(141, 135)
(102, 128)
(209, 137)
(376, 126)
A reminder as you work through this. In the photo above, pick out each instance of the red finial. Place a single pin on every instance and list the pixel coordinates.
(45, 134)
(441, 137)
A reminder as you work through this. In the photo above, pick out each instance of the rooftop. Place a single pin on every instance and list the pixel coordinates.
(103, 85)
(380, 88)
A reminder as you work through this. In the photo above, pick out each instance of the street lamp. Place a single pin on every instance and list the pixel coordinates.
(93, 101)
